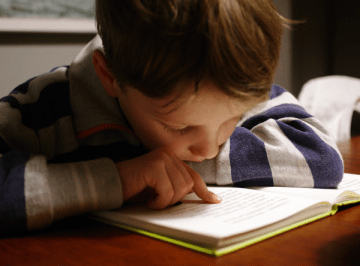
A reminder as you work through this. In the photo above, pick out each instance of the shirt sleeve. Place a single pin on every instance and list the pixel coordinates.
(35, 129)
(277, 144)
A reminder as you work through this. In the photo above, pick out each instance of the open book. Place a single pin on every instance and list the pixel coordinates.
(245, 216)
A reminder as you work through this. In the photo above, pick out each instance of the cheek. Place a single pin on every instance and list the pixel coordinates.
(226, 131)
(153, 136)
(177, 144)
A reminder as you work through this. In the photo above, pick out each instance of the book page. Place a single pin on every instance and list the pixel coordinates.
(241, 210)
(350, 182)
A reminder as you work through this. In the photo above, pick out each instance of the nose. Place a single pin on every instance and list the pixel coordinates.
(206, 148)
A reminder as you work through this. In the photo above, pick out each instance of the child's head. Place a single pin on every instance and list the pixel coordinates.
(185, 71)
(153, 45)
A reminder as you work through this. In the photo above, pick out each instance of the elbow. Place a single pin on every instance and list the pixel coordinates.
(329, 171)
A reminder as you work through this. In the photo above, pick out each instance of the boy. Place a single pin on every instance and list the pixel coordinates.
(169, 82)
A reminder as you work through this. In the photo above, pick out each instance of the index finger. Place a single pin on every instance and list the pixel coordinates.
(200, 187)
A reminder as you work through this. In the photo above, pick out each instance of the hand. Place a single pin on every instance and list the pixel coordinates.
(168, 176)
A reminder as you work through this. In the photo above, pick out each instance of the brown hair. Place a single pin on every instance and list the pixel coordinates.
(153, 45)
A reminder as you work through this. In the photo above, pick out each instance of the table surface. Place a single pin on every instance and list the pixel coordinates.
(334, 240)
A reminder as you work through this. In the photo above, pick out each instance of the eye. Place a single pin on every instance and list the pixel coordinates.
(180, 131)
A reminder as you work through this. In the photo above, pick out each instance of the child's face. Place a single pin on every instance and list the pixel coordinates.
(193, 126)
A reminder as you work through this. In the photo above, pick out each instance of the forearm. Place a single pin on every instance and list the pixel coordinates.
(69, 189)
(49, 192)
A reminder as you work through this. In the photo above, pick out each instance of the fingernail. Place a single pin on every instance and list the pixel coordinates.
(217, 198)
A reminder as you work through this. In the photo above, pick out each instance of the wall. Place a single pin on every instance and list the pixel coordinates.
(310, 49)
(328, 42)
(25, 55)
(284, 72)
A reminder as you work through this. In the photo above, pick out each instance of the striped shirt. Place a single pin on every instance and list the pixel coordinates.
(60, 134)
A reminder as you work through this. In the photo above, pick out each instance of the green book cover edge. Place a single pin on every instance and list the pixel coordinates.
(348, 202)
(222, 251)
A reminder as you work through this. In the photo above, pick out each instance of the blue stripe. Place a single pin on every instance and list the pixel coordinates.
(4, 148)
(56, 68)
(277, 112)
(248, 160)
(276, 91)
(22, 88)
(14, 103)
(324, 162)
(52, 105)
(12, 196)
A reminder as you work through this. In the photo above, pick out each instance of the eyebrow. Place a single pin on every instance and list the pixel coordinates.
(176, 107)
(181, 102)
(176, 98)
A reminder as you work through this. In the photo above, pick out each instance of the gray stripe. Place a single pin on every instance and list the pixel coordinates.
(56, 191)
(206, 169)
(288, 165)
(92, 186)
(322, 132)
(223, 175)
(57, 138)
(38, 205)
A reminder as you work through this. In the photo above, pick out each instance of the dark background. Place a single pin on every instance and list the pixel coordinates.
(328, 42)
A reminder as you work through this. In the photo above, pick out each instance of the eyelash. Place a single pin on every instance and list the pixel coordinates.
(182, 131)
(176, 131)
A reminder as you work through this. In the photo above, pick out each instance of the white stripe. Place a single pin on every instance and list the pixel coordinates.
(223, 173)
(92, 187)
(288, 165)
(38, 200)
(78, 188)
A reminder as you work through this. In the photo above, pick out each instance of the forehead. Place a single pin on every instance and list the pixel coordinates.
(208, 101)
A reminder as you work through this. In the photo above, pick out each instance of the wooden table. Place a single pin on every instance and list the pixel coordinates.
(334, 240)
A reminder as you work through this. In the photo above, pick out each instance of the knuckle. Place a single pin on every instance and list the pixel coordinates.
(160, 157)
(185, 190)
(169, 193)
(190, 184)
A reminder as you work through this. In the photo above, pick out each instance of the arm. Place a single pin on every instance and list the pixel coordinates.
(35, 128)
(33, 193)
(279, 144)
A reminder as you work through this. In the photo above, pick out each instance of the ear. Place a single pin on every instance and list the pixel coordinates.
(105, 76)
